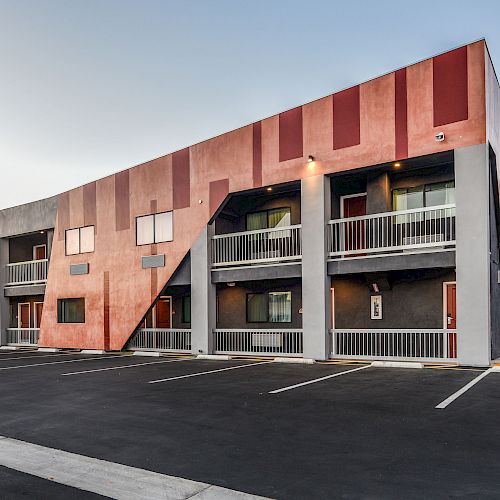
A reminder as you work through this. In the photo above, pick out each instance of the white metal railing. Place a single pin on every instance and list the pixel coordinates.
(261, 245)
(22, 336)
(397, 344)
(263, 342)
(402, 230)
(162, 339)
(29, 272)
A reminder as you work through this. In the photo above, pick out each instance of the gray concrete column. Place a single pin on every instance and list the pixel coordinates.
(472, 178)
(316, 307)
(4, 301)
(378, 194)
(203, 294)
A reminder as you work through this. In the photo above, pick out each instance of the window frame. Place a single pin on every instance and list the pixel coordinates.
(424, 189)
(60, 316)
(266, 211)
(79, 229)
(154, 242)
(267, 307)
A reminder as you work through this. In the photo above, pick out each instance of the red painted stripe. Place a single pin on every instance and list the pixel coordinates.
(106, 310)
(290, 134)
(257, 154)
(450, 87)
(90, 205)
(122, 201)
(346, 118)
(401, 115)
(218, 190)
(62, 215)
(181, 183)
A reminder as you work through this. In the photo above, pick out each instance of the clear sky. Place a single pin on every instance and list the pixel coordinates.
(90, 87)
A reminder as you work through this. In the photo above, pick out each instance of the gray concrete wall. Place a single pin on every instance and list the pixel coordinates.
(472, 189)
(415, 300)
(378, 194)
(203, 294)
(28, 218)
(231, 303)
(316, 316)
(255, 273)
(494, 258)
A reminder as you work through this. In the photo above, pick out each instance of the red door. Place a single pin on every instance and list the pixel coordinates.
(40, 252)
(23, 320)
(163, 313)
(354, 233)
(451, 317)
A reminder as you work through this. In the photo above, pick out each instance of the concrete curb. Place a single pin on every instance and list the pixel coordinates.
(9, 348)
(397, 364)
(48, 349)
(92, 351)
(302, 361)
(223, 357)
(153, 354)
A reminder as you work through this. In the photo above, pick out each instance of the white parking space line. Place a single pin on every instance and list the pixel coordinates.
(290, 387)
(43, 356)
(59, 362)
(125, 366)
(464, 389)
(109, 479)
(208, 372)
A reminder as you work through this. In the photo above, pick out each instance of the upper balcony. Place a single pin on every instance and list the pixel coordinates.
(28, 260)
(401, 231)
(258, 228)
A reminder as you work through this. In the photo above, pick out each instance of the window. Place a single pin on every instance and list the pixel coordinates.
(79, 240)
(186, 309)
(71, 310)
(272, 307)
(430, 195)
(267, 219)
(154, 228)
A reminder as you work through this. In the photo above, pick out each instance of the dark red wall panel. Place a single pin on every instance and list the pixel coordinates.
(218, 191)
(122, 201)
(401, 137)
(290, 134)
(449, 82)
(257, 154)
(181, 179)
(106, 310)
(89, 205)
(62, 214)
(346, 128)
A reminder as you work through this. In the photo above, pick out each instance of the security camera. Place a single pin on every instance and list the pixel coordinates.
(439, 137)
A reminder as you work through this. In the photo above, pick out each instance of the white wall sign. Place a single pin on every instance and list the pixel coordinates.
(376, 306)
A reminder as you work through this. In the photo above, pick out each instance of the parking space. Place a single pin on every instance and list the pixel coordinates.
(355, 432)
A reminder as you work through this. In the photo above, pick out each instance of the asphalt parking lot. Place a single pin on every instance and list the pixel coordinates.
(369, 433)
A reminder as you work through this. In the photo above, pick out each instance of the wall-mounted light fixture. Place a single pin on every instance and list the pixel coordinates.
(269, 189)
(310, 158)
(375, 287)
(397, 164)
(231, 283)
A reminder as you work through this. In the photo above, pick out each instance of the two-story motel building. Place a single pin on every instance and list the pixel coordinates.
(362, 225)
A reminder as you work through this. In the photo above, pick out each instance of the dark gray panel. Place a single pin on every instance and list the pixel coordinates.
(17, 291)
(393, 263)
(79, 269)
(151, 261)
(251, 273)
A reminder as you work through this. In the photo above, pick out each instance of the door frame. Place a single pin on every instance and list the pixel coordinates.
(36, 319)
(445, 302)
(169, 297)
(39, 246)
(345, 196)
(19, 314)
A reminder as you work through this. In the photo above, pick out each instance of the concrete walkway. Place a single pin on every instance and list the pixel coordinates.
(106, 478)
